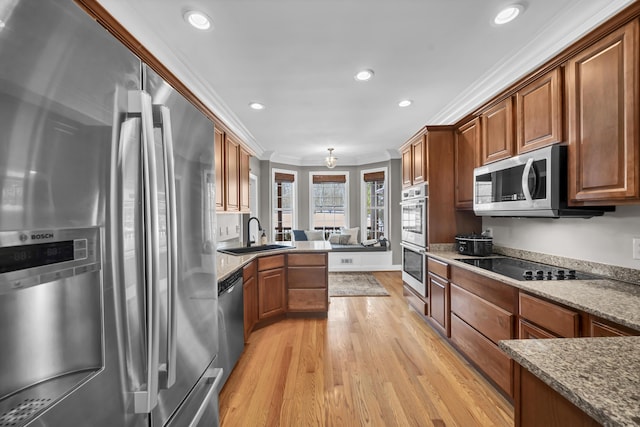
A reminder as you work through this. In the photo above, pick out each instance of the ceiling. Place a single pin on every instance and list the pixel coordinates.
(299, 57)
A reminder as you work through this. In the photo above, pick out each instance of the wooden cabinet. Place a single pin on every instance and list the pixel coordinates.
(527, 331)
(559, 321)
(271, 286)
(482, 313)
(414, 161)
(497, 132)
(466, 158)
(232, 175)
(219, 160)
(536, 404)
(307, 282)
(598, 327)
(250, 292)
(539, 112)
(407, 171)
(444, 222)
(243, 185)
(418, 161)
(415, 300)
(602, 107)
(438, 293)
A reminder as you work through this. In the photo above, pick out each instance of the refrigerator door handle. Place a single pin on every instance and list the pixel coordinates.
(163, 120)
(214, 376)
(146, 400)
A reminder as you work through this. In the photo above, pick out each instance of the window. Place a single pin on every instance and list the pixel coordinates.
(329, 201)
(374, 203)
(284, 191)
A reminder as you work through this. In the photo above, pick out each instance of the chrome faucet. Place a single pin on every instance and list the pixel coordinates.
(249, 241)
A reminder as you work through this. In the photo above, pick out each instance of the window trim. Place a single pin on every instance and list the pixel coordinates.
(294, 202)
(363, 200)
(347, 212)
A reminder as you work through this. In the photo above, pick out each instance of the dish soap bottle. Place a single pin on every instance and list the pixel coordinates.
(263, 238)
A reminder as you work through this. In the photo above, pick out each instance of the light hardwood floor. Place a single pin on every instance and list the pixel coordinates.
(372, 362)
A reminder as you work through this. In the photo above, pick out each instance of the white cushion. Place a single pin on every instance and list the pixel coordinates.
(314, 235)
(353, 234)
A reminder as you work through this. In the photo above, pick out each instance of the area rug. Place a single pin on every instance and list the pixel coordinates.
(355, 285)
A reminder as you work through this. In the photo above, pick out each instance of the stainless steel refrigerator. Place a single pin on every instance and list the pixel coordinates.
(108, 290)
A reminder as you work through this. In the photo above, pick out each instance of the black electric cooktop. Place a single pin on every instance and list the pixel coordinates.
(519, 269)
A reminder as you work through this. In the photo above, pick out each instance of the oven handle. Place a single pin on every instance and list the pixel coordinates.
(417, 202)
(413, 248)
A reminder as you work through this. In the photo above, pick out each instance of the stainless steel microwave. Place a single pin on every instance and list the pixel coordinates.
(533, 184)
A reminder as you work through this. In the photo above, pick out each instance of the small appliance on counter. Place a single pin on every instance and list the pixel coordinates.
(474, 244)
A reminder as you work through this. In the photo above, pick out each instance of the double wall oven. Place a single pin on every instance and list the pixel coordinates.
(414, 237)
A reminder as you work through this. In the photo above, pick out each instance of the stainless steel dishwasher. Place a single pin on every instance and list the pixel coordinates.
(230, 322)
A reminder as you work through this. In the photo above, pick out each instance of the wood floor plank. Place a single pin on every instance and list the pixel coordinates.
(372, 362)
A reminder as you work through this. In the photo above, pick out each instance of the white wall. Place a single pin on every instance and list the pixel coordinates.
(606, 239)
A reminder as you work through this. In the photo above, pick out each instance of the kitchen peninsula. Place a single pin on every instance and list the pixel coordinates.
(281, 283)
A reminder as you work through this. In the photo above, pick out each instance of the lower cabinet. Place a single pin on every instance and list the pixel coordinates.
(250, 291)
(544, 319)
(482, 313)
(536, 404)
(271, 286)
(307, 283)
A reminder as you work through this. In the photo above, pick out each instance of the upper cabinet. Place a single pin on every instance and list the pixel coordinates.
(414, 161)
(232, 174)
(602, 108)
(497, 132)
(466, 158)
(539, 112)
(219, 155)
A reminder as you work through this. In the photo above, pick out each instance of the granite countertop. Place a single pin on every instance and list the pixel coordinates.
(227, 264)
(606, 298)
(601, 376)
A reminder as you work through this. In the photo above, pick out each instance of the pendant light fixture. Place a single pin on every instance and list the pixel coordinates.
(331, 161)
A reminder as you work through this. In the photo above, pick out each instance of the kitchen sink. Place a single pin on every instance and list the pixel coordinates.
(253, 249)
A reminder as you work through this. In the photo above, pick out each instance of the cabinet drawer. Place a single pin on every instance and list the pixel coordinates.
(485, 354)
(415, 301)
(307, 277)
(500, 294)
(438, 267)
(270, 262)
(307, 259)
(307, 300)
(556, 319)
(492, 321)
(527, 331)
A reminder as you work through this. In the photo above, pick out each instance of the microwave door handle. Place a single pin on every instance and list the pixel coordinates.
(168, 375)
(146, 400)
(525, 180)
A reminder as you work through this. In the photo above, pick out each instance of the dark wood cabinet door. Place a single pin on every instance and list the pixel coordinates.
(418, 161)
(220, 172)
(406, 167)
(527, 331)
(244, 180)
(232, 174)
(497, 132)
(271, 293)
(539, 112)
(602, 91)
(439, 302)
(467, 147)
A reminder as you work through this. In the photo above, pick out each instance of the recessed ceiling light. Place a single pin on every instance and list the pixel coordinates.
(508, 14)
(405, 103)
(198, 20)
(364, 75)
(256, 105)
